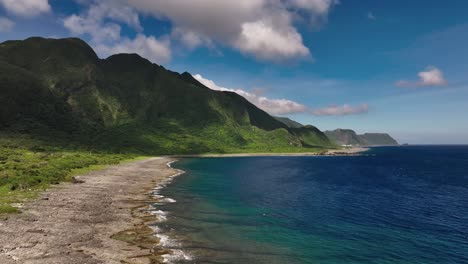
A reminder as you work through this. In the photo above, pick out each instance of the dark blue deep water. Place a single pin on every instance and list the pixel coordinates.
(391, 205)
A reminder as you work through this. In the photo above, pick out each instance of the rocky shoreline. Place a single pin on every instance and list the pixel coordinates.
(355, 151)
(102, 219)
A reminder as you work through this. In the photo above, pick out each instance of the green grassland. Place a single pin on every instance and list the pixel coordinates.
(28, 166)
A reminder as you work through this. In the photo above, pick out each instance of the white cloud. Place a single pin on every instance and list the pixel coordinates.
(267, 42)
(148, 47)
(101, 22)
(371, 16)
(6, 24)
(271, 106)
(262, 28)
(321, 7)
(336, 110)
(81, 25)
(191, 39)
(432, 76)
(26, 8)
(285, 106)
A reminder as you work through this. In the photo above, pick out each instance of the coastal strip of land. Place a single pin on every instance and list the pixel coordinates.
(100, 218)
(355, 151)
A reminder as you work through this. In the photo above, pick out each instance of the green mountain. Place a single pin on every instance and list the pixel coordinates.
(288, 122)
(378, 139)
(344, 137)
(349, 137)
(60, 89)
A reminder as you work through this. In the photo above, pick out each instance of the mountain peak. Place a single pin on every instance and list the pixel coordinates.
(128, 58)
(33, 52)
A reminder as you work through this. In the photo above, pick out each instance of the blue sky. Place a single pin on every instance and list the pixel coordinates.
(373, 66)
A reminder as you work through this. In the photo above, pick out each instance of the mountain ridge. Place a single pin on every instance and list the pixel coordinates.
(126, 100)
(289, 122)
(349, 137)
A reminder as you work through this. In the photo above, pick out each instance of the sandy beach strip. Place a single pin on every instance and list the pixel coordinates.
(102, 220)
(330, 152)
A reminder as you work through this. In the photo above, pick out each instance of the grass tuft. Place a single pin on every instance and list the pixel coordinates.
(8, 209)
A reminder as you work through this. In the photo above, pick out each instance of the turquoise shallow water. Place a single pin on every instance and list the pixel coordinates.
(394, 205)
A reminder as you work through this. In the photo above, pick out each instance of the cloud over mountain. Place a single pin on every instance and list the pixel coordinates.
(260, 28)
(263, 29)
(271, 106)
(26, 8)
(285, 106)
(102, 20)
(6, 24)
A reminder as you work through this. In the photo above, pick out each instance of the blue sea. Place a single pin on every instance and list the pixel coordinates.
(389, 205)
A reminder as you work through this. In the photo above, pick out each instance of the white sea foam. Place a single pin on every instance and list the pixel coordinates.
(161, 215)
(168, 200)
(179, 172)
(155, 229)
(176, 255)
(164, 240)
(172, 245)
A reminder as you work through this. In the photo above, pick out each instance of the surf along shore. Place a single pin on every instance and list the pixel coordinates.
(103, 217)
(106, 216)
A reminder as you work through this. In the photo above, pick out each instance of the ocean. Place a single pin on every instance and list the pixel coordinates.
(390, 205)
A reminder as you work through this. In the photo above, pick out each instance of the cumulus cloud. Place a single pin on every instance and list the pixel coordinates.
(148, 47)
(266, 42)
(6, 24)
(26, 8)
(261, 28)
(432, 76)
(102, 22)
(336, 110)
(271, 106)
(191, 39)
(82, 25)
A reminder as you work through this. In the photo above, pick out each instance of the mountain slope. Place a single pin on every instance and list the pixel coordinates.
(344, 137)
(289, 122)
(127, 103)
(378, 139)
